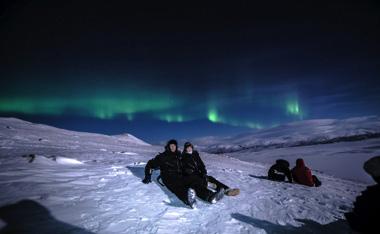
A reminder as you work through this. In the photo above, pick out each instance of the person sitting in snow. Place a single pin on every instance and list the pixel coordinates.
(279, 171)
(364, 216)
(302, 175)
(169, 164)
(193, 166)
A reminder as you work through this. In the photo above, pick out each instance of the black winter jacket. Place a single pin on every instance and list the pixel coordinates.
(364, 217)
(281, 167)
(168, 162)
(192, 164)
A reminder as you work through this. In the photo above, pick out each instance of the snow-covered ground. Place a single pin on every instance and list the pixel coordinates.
(59, 181)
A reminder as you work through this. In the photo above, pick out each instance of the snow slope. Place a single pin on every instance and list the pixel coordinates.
(335, 147)
(71, 182)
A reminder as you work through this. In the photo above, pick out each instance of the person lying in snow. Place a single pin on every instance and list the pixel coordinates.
(302, 175)
(279, 171)
(193, 166)
(364, 216)
(183, 187)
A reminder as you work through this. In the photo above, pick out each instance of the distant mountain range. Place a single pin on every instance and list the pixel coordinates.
(301, 133)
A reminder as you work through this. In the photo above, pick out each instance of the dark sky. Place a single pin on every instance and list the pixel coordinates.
(184, 69)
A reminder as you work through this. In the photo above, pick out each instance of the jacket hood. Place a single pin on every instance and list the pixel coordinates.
(300, 162)
(172, 141)
(187, 144)
(372, 167)
(282, 162)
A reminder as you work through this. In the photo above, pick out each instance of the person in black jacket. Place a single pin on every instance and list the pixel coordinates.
(171, 172)
(175, 179)
(279, 171)
(364, 217)
(193, 166)
(192, 169)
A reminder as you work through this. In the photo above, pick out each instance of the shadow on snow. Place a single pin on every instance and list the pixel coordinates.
(28, 216)
(309, 226)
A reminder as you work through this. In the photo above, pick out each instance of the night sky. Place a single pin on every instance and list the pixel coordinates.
(185, 70)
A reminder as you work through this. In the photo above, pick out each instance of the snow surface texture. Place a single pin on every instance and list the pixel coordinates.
(335, 147)
(59, 181)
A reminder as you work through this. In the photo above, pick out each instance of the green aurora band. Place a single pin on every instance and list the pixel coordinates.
(99, 107)
(107, 106)
(293, 108)
(214, 117)
(172, 118)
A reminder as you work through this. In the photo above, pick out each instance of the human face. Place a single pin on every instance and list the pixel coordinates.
(173, 147)
(189, 149)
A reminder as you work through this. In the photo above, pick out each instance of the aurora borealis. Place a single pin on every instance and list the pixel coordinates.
(175, 70)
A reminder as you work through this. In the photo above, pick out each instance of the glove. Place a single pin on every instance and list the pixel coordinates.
(147, 179)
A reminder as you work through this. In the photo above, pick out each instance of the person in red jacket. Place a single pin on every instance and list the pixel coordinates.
(302, 174)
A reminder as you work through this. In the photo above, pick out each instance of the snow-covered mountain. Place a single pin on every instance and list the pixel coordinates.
(301, 133)
(58, 181)
(335, 147)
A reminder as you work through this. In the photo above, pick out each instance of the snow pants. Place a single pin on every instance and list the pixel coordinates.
(276, 177)
(179, 185)
(316, 181)
(216, 182)
(175, 184)
(197, 183)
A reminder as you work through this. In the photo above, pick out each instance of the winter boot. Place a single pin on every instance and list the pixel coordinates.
(191, 198)
(216, 196)
(232, 192)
